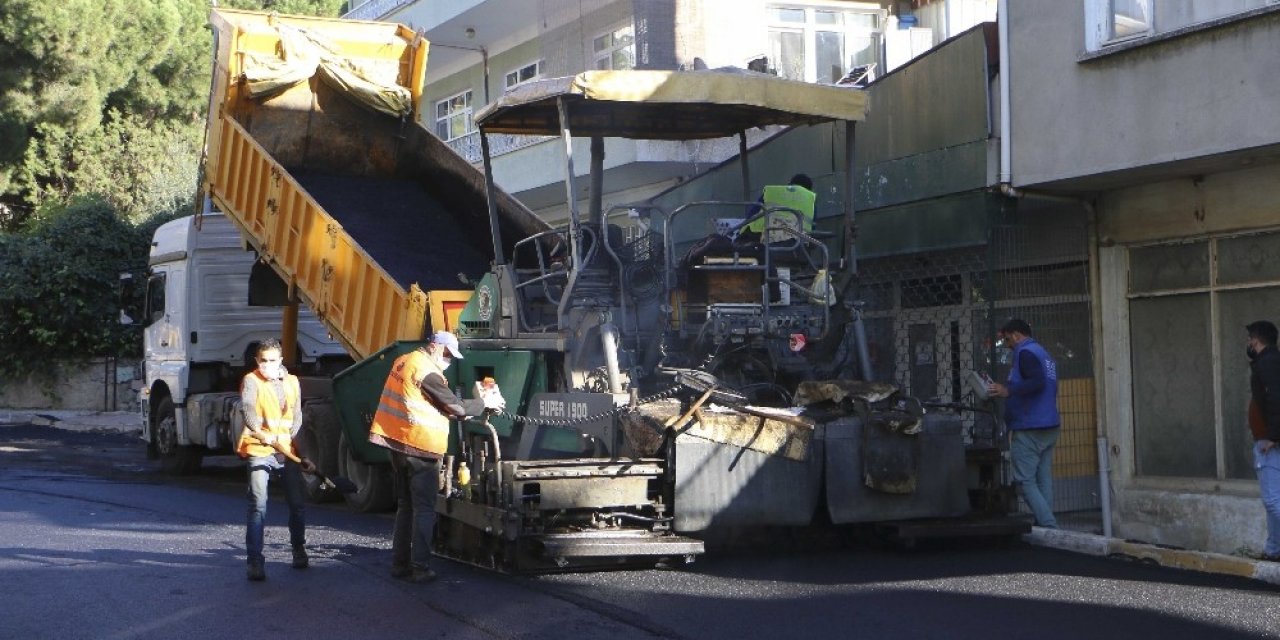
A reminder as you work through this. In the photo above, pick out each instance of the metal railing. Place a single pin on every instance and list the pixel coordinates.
(468, 146)
(374, 9)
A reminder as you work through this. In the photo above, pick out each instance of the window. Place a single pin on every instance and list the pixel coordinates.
(1188, 305)
(453, 117)
(154, 309)
(822, 44)
(615, 50)
(1116, 21)
(527, 73)
(1129, 18)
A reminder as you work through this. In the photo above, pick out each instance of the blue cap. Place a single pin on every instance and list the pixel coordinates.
(449, 341)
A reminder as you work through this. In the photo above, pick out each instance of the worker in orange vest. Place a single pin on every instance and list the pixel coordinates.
(413, 422)
(271, 402)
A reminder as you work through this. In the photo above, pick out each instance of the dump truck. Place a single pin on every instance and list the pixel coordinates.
(334, 220)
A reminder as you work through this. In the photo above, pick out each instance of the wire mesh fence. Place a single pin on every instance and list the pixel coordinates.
(932, 317)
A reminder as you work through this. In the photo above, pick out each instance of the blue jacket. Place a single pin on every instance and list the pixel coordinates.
(1033, 395)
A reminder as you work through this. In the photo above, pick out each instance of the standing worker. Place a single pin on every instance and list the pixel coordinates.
(413, 422)
(1264, 387)
(271, 401)
(1031, 413)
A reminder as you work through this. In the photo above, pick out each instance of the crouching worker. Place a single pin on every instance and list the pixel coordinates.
(412, 421)
(272, 404)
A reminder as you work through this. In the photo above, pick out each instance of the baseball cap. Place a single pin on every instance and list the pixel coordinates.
(449, 341)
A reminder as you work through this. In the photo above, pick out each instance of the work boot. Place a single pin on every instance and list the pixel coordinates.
(256, 571)
(420, 576)
(300, 559)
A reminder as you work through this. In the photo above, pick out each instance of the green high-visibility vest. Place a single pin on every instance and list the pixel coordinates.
(789, 196)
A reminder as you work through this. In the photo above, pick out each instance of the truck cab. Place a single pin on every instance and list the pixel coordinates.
(199, 338)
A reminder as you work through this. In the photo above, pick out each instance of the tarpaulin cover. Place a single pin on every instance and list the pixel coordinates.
(304, 54)
(672, 105)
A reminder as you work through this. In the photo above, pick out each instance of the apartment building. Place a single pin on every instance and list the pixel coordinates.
(481, 48)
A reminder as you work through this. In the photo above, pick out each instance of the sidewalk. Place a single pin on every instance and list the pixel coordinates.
(127, 422)
(1203, 561)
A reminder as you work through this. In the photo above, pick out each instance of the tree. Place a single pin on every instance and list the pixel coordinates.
(106, 96)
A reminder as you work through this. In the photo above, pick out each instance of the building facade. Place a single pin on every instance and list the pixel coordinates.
(1156, 117)
(481, 48)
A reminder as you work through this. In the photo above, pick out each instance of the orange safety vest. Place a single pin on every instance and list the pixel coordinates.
(276, 421)
(404, 414)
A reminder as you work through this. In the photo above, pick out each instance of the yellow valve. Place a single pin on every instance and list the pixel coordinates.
(464, 480)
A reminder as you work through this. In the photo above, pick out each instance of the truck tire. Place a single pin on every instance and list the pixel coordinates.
(318, 440)
(373, 482)
(175, 459)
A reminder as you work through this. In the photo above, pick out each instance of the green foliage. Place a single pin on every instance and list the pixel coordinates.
(106, 97)
(59, 287)
(102, 115)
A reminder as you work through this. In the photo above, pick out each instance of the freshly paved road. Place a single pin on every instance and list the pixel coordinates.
(95, 543)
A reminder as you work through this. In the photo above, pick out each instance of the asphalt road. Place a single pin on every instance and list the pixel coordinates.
(96, 543)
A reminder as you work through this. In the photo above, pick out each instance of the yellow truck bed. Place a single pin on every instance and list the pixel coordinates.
(359, 211)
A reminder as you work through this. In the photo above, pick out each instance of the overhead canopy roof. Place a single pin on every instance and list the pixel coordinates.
(668, 105)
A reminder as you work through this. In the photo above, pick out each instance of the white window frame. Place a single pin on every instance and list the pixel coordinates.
(465, 111)
(537, 74)
(810, 28)
(1098, 15)
(606, 54)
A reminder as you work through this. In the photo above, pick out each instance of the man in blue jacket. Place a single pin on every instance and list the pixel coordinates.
(1031, 413)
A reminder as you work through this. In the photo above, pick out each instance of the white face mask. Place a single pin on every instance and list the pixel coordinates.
(444, 362)
(270, 365)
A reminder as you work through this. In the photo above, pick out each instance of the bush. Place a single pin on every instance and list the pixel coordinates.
(60, 291)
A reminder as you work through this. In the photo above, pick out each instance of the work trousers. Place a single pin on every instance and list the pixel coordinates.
(416, 482)
(261, 469)
(1268, 467)
(1032, 454)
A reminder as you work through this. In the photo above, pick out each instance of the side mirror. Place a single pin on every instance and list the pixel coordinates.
(126, 300)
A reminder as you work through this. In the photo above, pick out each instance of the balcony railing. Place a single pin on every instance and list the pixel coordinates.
(374, 9)
(468, 146)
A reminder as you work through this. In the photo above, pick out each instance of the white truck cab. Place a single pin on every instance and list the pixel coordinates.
(199, 337)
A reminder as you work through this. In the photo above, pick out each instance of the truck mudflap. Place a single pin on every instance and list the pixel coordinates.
(878, 473)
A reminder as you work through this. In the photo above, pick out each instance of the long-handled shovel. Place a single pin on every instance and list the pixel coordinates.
(342, 485)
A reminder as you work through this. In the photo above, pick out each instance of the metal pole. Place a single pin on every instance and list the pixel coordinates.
(746, 166)
(850, 184)
(575, 224)
(595, 209)
(1104, 484)
(494, 231)
(851, 239)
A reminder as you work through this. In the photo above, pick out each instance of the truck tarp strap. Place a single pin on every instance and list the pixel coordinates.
(303, 54)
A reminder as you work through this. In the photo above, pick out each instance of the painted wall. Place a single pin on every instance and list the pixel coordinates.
(80, 386)
(1187, 97)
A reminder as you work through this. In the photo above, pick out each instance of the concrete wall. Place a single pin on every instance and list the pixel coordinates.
(79, 386)
(1199, 94)
(1221, 515)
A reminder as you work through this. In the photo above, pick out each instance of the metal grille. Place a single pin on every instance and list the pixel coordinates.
(932, 317)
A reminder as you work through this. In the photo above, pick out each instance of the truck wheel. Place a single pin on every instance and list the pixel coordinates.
(175, 459)
(319, 441)
(373, 482)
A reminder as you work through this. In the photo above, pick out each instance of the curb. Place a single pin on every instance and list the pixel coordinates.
(1202, 561)
(125, 422)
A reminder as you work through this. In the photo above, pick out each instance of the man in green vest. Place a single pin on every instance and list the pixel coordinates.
(783, 203)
